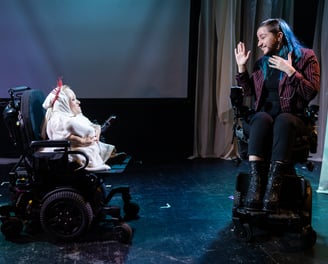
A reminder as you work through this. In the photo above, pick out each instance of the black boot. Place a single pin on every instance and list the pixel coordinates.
(258, 176)
(275, 179)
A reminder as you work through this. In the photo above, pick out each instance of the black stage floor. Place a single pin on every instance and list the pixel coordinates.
(185, 217)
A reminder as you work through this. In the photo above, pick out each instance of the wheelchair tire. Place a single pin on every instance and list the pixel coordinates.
(242, 231)
(308, 200)
(245, 233)
(123, 233)
(308, 237)
(65, 215)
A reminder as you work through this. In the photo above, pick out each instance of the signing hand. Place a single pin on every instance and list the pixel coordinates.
(241, 56)
(281, 64)
(90, 140)
(77, 141)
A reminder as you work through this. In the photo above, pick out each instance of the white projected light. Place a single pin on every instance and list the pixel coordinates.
(102, 48)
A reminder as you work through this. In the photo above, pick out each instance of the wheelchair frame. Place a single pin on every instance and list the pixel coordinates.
(295, 207)
(47, 188)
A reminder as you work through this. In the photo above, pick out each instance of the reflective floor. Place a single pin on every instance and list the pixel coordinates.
(185, 217)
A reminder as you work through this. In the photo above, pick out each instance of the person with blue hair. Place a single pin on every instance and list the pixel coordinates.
(284, 80)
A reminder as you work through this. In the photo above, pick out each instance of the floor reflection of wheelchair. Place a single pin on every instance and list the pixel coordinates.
(61, 196)
(294, 213)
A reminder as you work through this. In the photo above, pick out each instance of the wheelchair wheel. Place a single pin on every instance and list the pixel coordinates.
(245, 233)
(242, 231)
(308, 237)
(308, 200)
(65, 215)
(123, 233)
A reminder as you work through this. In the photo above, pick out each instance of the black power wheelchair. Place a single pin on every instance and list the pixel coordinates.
(295, 207)
(47, 188)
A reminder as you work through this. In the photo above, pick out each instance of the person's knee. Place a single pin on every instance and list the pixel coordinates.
(261, 120)
(283, 122)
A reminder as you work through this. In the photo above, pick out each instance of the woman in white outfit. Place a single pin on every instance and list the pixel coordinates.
(65, 121)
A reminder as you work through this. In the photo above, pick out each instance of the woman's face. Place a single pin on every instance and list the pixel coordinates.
(268, 42)
(74, 104)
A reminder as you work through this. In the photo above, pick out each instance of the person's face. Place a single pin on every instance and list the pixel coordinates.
(267, 41)
(74, 104)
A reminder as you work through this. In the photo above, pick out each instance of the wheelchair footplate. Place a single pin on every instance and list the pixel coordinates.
(116, 167)
(249, 224)
(293, 214)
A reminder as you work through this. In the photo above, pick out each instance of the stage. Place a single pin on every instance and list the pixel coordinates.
(185, 217)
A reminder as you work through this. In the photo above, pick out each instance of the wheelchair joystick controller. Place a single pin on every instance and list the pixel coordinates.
(107, 123)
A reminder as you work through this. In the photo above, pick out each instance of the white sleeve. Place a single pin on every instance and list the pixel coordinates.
(80, 126)
(57, 128)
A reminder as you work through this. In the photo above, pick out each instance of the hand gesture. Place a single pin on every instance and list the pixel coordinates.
(241, 56)
(89, 140)
(281, 64)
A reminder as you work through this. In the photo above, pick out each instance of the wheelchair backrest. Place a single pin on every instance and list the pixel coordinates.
(304, 145)
(24, 116)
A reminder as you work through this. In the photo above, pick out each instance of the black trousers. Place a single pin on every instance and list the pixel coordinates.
(274, 138)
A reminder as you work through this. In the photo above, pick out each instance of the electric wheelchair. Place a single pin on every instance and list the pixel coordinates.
(47, 188)
(294, 212)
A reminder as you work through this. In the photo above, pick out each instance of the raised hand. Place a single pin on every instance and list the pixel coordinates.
(241, 56)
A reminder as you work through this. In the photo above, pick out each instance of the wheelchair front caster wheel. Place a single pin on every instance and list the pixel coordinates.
(243, 232)
(308, 237)
(123, 233)
(12, 227)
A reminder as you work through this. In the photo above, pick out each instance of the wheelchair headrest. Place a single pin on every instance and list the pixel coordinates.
(24, 115)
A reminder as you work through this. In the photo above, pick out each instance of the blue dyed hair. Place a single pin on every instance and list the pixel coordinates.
(289, 42)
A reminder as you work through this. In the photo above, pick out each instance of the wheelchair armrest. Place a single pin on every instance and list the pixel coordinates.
(50, 144)
(63, 144)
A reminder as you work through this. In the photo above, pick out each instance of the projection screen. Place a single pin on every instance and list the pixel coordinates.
(101, 48)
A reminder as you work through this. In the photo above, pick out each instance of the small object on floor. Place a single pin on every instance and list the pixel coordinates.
(166, 206)
(5, 182)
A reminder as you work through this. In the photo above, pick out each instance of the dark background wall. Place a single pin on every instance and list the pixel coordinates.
(149, 130)
(304, 20)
